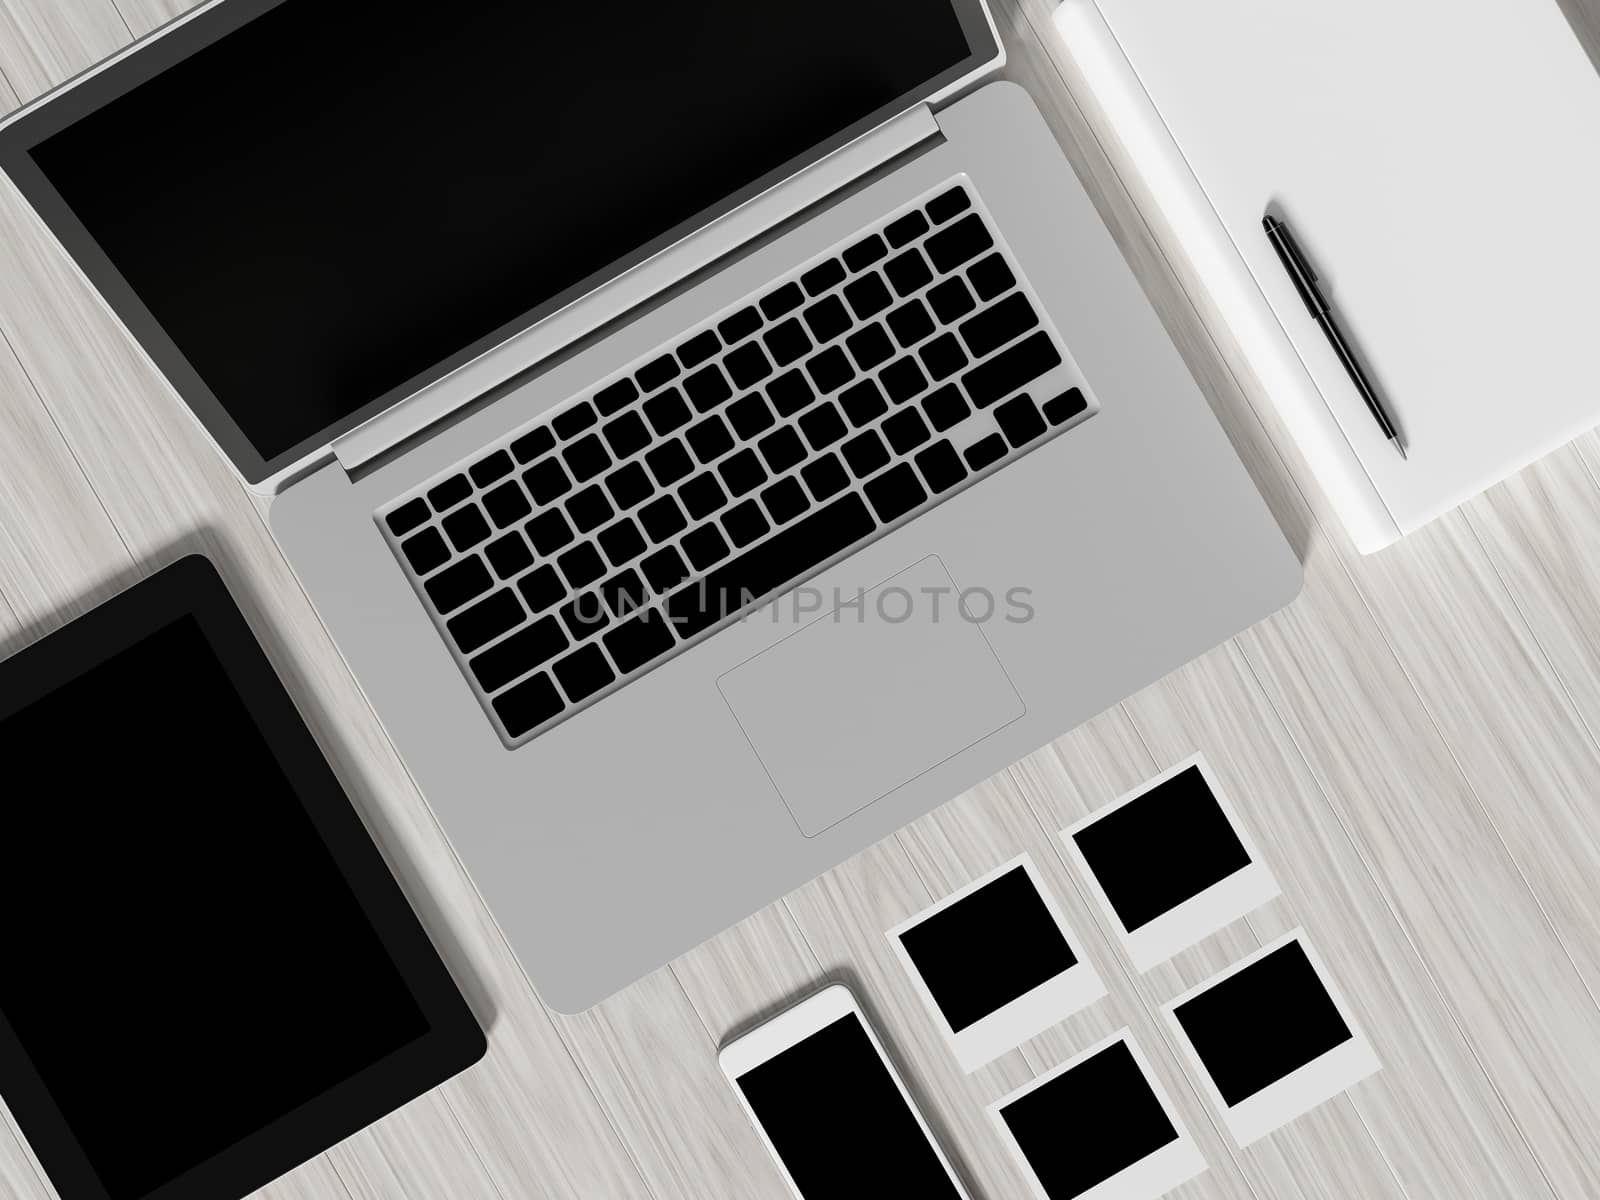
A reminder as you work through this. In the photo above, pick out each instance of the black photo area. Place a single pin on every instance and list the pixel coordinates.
(1161, 849)
(839, 1123)
(1262, 1023)
(184, 961)
(988, 948)
(1089, 1123)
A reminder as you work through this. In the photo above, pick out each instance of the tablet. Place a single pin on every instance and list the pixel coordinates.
(209, 974)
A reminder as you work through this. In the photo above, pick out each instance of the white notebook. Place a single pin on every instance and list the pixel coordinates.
(1439, 163)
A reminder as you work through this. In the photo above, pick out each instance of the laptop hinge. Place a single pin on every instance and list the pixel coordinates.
(633, 287)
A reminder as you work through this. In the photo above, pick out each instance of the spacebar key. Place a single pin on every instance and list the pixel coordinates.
(775, 563)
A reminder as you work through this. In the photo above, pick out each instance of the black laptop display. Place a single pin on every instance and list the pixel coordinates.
(208, 973)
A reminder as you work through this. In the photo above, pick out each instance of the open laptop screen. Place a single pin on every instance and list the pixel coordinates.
(305, 210)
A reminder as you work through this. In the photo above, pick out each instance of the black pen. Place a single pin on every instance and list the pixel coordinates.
(1305, 282)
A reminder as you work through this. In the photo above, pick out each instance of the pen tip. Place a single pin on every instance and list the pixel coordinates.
(1400, 448)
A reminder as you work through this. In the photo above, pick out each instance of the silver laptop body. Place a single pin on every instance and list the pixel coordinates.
(619, 806)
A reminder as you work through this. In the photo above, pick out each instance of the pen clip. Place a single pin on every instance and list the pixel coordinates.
(1294, 252)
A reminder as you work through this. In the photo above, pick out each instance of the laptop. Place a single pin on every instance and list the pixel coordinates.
(714, 436)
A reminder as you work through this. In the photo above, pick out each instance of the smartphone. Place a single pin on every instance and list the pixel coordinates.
(819, 1089)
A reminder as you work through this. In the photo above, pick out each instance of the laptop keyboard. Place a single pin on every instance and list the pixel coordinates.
(592, 545)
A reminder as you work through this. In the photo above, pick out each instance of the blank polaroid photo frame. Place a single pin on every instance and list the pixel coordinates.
(1098, 1127)
(1170, 863)
(1271, 1038)
(995, 963)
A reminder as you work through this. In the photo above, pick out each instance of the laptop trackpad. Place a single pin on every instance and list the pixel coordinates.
(870, 696)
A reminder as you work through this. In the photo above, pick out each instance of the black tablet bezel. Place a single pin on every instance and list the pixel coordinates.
(453, 1040)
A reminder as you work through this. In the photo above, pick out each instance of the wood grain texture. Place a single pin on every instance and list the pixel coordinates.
(1411, 742)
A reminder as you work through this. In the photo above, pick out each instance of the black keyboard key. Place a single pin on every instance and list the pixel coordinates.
(636, 642)
(589, 509)
(1012, 369)
(745, 522)
(748, 365)
(908, 272)
(945, 407)
(787, 342)
(521, 652)
(749, 415)
(865, 252)
(449, 493)
(986, 451)
(466, 527)
(407, 517)
(741, 325)
(541, 588)
(910, 323)
(624, 593)
(782, 448)
(902, 231)
(507, 504)
(785, 500)
(705, 546)
(865, 453)
(990, 276)
(825, 476)
(742, 472)
(994, 327)
(783, 301)
(583, 672)
(582, 565)
(827, 318)
(867, 296)
(1065, 406)
(895, 492)
(666, 411)
(1019, 420)
(549, 532)
(863, 403)
(528, 705)
(454, 586)
(669, 462)
(941, 466)
(546, 481)
(790, 554)
(947, 204)
(425, 551)
(509, 555)
(943, 356)
(533, 443)
(570, 422)
(951, 300)
(486, 470)
(615, 397)
(870, 346)
(585, 614)
(586, 458)
(956, 244)
(629, 485)
(622, 542)
(830, 370)
(654, 374)
(626, 435)
(906, 430)
(665, 569)
(790, 393)
(698, 349)
(822, 277)
(486, 620)
(702, 495)
(710, 439)
(707, 387)
(662, 518)
(903, 379)
(823, 426)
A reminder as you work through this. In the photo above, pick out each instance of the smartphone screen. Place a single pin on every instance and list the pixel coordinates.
(839, 1122)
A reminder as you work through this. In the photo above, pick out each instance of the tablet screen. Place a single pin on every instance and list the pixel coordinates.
(184, 960)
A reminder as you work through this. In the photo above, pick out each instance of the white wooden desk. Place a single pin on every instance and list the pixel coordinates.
(1415, 742)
